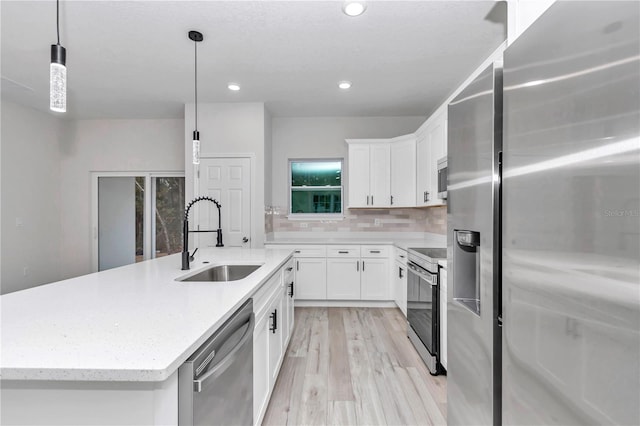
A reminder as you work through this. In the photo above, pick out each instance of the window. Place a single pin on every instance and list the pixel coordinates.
(315, 188)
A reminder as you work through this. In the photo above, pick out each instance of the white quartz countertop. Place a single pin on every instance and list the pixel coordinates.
(133, 323)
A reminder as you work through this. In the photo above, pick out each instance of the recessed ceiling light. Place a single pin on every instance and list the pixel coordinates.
(234, 86)
(344, 85)
(354, 8)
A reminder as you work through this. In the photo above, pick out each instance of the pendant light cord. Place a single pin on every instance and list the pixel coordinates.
(58, 19)
(195, 44)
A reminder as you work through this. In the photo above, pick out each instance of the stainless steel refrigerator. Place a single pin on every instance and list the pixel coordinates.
(555, 227)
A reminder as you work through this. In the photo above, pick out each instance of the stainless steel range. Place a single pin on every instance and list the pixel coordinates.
(422, 304)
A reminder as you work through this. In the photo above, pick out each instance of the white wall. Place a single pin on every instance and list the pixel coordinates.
(108, 145)
(522, 13)
(268, 158)
(30, 195)
(323, 137)
(231, 129)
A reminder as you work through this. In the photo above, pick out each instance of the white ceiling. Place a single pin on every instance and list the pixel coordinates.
(132, 59)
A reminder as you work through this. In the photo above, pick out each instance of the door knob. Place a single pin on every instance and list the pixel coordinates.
(245, 240)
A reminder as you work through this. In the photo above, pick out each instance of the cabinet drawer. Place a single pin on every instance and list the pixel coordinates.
(310, 251)
(265, 293)
(288, 271)
(374, 251)
(400, 255)
(343, 251)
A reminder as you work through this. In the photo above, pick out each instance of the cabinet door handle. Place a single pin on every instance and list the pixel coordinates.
(291, 289)
(392, 200)
(367, 200)
(427, 195)
(372, 200)
(297, 265)
(358, 265)
(399, 272)
(274, 321)
(363, 266)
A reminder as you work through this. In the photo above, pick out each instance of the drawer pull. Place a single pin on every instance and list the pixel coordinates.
(297, 251)
(343, 252)
(374, 251)
(274, 321)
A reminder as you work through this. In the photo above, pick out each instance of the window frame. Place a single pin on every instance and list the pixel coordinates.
(316, 216)
(149, 217)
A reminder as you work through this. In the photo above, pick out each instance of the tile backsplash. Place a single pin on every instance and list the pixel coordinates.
(432, 220)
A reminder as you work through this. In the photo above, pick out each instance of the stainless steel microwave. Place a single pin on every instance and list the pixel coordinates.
(442, 178)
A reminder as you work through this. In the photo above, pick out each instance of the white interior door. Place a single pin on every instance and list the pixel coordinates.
(227, 180)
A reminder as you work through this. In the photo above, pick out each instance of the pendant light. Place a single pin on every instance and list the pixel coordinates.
(58, 72)
(196, 37)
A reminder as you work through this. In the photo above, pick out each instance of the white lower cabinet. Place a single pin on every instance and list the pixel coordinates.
(311, 278)
(374, 284)
(273, 309)
(275, 337)
(343, 279)
(400, 286)
(288, 314)
(443, 317)
(260, 368)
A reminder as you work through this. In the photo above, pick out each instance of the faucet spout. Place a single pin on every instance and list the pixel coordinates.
(186, 258)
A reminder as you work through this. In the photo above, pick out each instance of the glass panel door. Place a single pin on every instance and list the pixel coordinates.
(168, 202)
(136, 217)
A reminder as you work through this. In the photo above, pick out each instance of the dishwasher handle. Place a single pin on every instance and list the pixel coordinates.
(220, 367)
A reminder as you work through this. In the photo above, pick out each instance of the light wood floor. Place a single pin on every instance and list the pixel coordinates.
(354, 366)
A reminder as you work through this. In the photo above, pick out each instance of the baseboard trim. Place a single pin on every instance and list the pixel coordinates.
(346, 303)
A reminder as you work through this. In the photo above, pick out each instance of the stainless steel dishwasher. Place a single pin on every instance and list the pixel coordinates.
(215, 385)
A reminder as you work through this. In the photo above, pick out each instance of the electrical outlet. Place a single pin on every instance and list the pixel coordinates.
(25, 271)
(377, 222)
(19, 222)
(304, 225)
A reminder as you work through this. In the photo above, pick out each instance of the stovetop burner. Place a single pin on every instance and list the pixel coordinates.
(427, 258)
(433, 253)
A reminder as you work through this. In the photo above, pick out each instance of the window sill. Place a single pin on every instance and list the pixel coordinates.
(315, 216)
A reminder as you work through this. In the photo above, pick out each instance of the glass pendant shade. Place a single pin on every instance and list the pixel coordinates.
(58, 79)
(196, 147)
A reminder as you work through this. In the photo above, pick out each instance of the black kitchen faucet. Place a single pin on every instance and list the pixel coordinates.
(185, 231)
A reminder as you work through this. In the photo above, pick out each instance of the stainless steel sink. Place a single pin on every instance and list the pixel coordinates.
(222, 273)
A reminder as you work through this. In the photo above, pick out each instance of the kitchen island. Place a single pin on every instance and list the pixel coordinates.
(105, 348)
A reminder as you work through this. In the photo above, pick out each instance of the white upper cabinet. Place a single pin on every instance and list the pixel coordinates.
(359, 165)
(382, 172)
(403, 172)
(423, 179)
(431, 147)
(369, 174)
(437, 146)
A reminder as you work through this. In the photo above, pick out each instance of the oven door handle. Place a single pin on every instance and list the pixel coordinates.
(222, 366)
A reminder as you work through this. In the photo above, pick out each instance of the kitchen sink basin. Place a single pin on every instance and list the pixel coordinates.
(220, 273)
